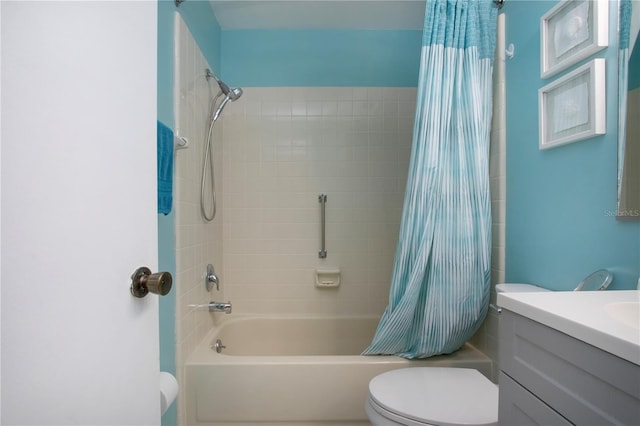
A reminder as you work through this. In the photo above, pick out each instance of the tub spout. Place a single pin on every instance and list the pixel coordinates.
(220, 307)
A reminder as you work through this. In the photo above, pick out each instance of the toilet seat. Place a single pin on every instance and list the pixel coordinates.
(435, 396)
(378, 416)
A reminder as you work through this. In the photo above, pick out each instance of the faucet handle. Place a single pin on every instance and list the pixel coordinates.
(211, 278)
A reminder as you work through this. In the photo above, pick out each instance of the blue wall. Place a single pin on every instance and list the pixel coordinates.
(561, 202)
(202, 23)
(266, 58)
(166, 237)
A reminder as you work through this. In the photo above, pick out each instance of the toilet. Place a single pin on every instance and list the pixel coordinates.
(436, 396)
(447, 396)
(596, 281)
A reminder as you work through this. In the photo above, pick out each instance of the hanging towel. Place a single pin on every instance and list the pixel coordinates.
(165, 168)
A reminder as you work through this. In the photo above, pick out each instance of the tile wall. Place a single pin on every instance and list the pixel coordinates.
(282, 148)
(197, 242)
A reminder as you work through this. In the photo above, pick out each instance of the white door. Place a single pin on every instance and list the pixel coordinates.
(78, 212)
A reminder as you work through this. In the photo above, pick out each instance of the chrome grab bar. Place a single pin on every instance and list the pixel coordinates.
(322, 199)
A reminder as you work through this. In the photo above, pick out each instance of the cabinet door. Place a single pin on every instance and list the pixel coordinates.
(585, 384)
(519, 407)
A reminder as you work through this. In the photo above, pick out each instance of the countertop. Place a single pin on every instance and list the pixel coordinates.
(585, 315)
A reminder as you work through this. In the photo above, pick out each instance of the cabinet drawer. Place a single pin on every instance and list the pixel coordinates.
(583, 383)
(519, 407)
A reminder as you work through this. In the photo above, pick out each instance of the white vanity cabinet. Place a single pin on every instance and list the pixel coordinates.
(548, 376)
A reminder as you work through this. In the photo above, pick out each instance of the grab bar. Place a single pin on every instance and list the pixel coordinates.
(322, 199)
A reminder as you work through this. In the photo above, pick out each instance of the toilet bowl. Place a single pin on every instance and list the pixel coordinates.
(436, 396)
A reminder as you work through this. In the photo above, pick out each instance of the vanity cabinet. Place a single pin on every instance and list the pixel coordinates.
(550, 378)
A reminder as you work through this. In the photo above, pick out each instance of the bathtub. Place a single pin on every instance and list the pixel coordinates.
(294, 371)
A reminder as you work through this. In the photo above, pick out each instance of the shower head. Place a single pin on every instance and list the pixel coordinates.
(233, 94)
(229, 94)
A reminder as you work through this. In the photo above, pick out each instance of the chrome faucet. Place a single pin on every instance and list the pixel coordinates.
(220, 307)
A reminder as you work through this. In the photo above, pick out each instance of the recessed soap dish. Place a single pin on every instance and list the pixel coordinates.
(327, 278)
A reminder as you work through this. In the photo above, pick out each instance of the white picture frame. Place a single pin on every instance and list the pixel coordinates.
(572, 31)
(573, 107)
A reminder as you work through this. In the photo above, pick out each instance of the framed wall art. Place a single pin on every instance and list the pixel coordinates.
(573, 107)
(571, 31)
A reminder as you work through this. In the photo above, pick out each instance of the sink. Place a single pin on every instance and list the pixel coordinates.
(608, 320)
(625, 312)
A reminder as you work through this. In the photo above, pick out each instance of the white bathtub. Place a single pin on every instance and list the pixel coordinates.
(293, 370)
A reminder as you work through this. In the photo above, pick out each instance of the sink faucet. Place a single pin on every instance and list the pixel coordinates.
(220, 307)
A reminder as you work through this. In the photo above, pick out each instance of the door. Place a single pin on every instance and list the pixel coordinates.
(78, 212)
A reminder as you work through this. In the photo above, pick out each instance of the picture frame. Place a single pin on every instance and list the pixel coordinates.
(570, 32)
(573, 107)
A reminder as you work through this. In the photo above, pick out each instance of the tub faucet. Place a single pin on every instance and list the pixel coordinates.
(220, 307)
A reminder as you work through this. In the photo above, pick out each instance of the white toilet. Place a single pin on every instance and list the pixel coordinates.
(436, 396)
(596, 281)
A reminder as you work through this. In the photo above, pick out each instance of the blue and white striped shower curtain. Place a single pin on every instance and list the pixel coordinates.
(440, 284)
(623, 67)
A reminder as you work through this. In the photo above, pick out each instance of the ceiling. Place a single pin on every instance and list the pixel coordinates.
(320, 14)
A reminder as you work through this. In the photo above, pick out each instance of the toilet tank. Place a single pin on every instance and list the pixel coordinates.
(518, 288)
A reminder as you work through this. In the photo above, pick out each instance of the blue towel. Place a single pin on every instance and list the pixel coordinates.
(165, 168)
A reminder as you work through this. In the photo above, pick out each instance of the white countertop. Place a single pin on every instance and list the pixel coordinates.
(583, 315)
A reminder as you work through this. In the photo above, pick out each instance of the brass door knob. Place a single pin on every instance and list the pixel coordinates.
(143, 282)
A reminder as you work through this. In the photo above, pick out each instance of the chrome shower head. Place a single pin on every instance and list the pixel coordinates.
(235, 93)
(231, 93)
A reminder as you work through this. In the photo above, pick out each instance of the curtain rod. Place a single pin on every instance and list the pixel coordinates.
(498, 3)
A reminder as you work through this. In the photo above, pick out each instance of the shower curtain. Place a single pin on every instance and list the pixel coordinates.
(623, 67)
(440, 283)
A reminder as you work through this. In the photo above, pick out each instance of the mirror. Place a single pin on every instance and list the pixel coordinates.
(629, 110)
(598, 280)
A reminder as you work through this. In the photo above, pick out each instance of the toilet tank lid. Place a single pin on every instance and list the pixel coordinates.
(437, 395)
(518, 288)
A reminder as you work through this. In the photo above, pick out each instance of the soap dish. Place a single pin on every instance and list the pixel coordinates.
(327, 278)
